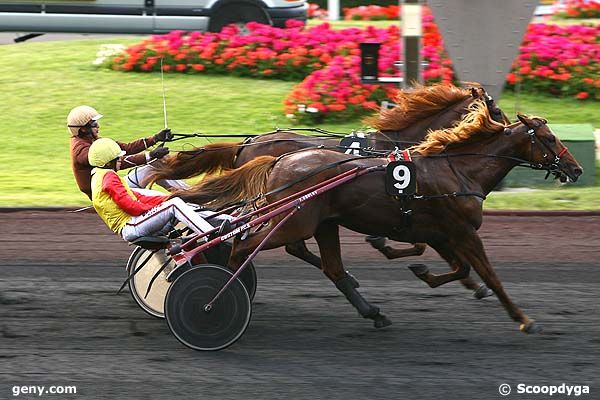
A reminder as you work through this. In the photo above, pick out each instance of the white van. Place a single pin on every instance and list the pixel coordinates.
(143, 16)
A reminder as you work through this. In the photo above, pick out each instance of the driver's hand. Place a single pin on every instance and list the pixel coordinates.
(159, 152)
(164, 136)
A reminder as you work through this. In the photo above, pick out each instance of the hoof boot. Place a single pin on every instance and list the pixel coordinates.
(531, 327)
(381, 321)
(377, 242)
(419, 269)
(482, 292)
(355, 283)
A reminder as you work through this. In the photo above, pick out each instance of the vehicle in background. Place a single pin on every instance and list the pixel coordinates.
(143, 16)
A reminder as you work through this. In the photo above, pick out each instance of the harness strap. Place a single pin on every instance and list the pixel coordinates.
(562, 152)
(453, 194)
(313, 172)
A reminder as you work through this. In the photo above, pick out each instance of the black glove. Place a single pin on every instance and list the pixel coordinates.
(164, 136)
(159, 152)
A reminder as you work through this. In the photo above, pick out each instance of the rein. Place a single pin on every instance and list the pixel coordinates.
(325, 135)
(322, 133)
(551, 167)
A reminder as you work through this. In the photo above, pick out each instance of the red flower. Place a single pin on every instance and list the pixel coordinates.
(582, 95)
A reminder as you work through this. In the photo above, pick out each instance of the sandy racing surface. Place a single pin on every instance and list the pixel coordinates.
(62, 324)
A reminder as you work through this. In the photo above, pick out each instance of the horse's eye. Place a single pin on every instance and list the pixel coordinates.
(552, 139)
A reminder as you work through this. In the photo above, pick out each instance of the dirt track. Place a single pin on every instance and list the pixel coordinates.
(61, 323)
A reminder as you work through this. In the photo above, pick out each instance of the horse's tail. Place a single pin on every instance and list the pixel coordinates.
(202, 160)
(233, 186)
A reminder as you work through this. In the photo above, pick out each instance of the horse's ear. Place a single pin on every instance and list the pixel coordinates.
(507, 131)
(524, 120)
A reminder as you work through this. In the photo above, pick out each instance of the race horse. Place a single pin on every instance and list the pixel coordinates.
(416, 112)
(455, 169)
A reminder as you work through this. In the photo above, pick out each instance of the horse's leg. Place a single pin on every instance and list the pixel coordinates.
(299, 250)
(379, 243)
(472, 250)
(479, 289)
(327, 236)
(460, 271)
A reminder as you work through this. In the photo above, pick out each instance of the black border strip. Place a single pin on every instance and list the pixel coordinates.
(21, 8)
(93, 9)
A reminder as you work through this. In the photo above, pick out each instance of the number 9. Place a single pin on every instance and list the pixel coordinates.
(401, 174)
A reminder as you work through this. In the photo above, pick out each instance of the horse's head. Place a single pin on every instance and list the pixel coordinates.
(545, 150)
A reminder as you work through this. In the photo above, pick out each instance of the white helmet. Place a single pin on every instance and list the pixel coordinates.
(103, 151)
(80, 117)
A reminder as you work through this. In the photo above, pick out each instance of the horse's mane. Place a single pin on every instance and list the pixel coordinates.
(416, 105)
(477, 121)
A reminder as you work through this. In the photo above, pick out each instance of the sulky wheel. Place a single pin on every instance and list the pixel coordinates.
(202, 329)
(154, 302)
(220, 256)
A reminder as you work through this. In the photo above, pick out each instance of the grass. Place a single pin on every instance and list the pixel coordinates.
(43, 81)
(550, 199)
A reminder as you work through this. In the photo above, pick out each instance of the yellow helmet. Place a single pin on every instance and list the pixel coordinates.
(80, 117)
(103, 151)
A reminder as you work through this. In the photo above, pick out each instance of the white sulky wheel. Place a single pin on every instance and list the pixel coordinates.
(191, 322)
(154, 303)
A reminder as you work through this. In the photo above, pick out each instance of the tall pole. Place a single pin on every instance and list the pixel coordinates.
(411, 35)
(334, 9)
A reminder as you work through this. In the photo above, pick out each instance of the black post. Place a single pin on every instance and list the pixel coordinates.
(411, 34)
(369, 60)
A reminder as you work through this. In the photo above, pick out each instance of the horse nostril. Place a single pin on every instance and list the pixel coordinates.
(578, 171)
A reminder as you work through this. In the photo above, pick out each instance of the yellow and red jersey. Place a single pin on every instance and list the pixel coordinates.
(115, 202)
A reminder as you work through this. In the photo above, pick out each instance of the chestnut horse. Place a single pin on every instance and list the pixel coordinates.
(456, 168)
(417, 111)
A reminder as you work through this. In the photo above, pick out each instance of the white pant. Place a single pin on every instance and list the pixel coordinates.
(161, 219)
(137, 178)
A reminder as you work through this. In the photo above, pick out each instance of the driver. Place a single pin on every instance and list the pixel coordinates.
(82, 123)
(129, 212)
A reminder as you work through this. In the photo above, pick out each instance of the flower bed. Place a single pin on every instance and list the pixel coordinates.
(362, 13)
(335, 92)
(372, 13)
(579, 9)
(327, 61)
(560, 60)
(266, 52)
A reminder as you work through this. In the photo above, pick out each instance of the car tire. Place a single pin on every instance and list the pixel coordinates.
(237, 13)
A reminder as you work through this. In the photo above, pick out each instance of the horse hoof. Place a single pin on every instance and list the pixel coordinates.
(353, 280)
(482, 292)
(531, 327)
(419, 269)
(381, 321)
(377, 242)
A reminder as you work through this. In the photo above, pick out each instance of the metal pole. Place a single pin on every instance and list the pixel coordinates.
(411, 35)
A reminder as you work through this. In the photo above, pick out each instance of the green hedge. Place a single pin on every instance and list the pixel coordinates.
(356, 3)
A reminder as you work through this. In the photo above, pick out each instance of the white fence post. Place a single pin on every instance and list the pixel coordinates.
(334, 9)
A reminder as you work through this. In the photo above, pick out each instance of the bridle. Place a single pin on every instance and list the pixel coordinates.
(551, 167)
